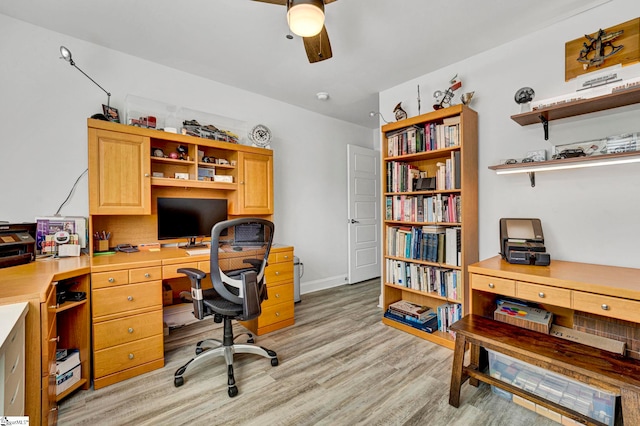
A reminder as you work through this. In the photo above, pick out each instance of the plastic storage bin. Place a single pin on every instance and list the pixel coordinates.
(592, 402)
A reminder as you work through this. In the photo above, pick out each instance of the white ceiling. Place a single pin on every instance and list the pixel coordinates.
(376, 44)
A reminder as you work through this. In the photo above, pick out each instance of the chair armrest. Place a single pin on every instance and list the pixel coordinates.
(195, 276)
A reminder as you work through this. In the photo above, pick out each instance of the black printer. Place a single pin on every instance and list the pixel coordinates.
(17, 243)
(522, 242)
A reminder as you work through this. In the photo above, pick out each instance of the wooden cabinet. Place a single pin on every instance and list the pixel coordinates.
(255, 185)
(127, 323)
(562, 288)
(130, 167)
(64, 326)
(12, 354)
(441, 146)
(278, 309)
(119, 173)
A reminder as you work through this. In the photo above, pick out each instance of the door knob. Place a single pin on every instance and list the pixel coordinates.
(354, 221)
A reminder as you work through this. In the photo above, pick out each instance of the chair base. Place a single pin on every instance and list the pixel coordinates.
(227, 351)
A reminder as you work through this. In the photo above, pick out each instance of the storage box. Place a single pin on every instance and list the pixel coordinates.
(524, 316)
(167, 295)
(65, 380)
(592, 402)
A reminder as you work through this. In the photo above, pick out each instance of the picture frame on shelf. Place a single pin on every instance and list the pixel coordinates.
(111, 113)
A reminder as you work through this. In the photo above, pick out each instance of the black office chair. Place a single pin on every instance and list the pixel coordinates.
(236, 295)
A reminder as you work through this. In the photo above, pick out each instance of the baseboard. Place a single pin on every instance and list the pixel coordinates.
(323, 284)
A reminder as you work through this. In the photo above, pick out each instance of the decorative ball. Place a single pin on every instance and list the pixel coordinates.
(173, 155)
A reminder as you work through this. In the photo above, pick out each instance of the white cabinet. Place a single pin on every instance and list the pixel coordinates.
(12, 358)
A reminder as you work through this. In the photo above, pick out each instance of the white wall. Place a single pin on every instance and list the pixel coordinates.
(588, 215)
(44, 104)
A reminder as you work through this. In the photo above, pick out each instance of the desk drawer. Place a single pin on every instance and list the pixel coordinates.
(14, 395)
(109, 279)
(14, 351)
(493, 285)
(544, 294)
(121, 357)
(145, 274)
(121, 299)
(275, 313)
(279, 272)
(279, 294)
(170, 271)
(613, 307)
(286, 256)
(127, 329)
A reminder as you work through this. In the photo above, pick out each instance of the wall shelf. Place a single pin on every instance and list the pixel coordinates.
(618, 99)
(567, 163)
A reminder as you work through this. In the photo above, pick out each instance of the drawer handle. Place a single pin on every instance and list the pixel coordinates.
(55, 339)
(147, 275)
(286, 256)
(130, 298)
(277, 314)
(111, 280)
(277, 295)
(130, 330)
(277, 273)
(492, 285)
(131, 356)
(541, 295)
(605, 307)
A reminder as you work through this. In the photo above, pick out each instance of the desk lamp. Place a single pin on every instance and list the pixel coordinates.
(66, 55)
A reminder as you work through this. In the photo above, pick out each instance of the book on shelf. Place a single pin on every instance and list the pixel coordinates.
(428, 326)
(403, 307)
(524, 316)
(448, 313)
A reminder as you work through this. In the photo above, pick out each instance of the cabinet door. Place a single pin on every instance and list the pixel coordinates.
(255, 184)
(119, 173)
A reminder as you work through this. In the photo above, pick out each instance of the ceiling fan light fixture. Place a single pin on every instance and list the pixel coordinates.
(305, 17)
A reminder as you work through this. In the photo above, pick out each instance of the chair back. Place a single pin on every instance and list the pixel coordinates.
(244, 286)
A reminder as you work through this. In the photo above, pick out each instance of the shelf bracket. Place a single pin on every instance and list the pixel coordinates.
(545, 125)
(532, 178)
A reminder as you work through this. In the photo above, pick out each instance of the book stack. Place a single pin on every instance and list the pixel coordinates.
(67, 369)
(422, 318)
(524, 316)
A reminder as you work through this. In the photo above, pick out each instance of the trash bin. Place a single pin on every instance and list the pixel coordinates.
(298, 272)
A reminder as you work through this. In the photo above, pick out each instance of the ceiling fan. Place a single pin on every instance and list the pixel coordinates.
(317, 46)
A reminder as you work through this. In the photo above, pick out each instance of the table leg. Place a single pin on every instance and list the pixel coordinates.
(474, 363)
(457, 370)
(630, 407)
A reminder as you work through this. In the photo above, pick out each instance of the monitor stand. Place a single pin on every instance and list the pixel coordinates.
(192, 244)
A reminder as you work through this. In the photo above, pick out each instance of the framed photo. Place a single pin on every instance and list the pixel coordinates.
(111, 113)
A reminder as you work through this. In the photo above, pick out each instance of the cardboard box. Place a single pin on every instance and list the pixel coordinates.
(167, 295)
(65, 380)
(592, 340)
(524, 316)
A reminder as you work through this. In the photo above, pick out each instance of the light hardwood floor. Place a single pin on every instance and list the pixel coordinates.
(339, 365)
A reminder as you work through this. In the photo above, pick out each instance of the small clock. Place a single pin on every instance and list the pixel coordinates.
(260, 135)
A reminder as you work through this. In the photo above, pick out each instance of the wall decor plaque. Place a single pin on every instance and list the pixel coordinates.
(615, 45)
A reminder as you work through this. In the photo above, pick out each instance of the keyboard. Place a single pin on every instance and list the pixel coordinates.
(198, 252)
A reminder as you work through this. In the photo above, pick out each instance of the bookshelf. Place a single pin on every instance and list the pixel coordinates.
(420, 224)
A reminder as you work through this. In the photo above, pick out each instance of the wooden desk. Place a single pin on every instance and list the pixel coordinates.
(49, 326)
(127, 304)
(607, 293)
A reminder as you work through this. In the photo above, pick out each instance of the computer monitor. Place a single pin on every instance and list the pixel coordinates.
(189, 218)
(248, 234)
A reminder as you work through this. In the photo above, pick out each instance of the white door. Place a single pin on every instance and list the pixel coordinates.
(364, 213)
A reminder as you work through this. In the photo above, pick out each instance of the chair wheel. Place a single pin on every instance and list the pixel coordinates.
(251, 340)
(274, 362)
(199, 350)
(233, 391)
(178, 381)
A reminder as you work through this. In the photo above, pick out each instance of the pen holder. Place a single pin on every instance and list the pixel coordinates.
(100, 245)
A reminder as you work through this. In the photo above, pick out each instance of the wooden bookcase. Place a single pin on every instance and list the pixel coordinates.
(456, 130)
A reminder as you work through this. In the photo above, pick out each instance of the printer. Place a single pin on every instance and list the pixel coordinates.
(522, 242)
(17, 243)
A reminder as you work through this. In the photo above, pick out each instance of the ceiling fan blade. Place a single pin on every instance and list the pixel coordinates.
(280, 2)
(318, 47)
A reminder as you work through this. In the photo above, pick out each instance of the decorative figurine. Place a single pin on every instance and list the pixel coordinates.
(466, 97)
(399, 112)
(444, 99)
(523, 96)
(182, 152)
(599, 48)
